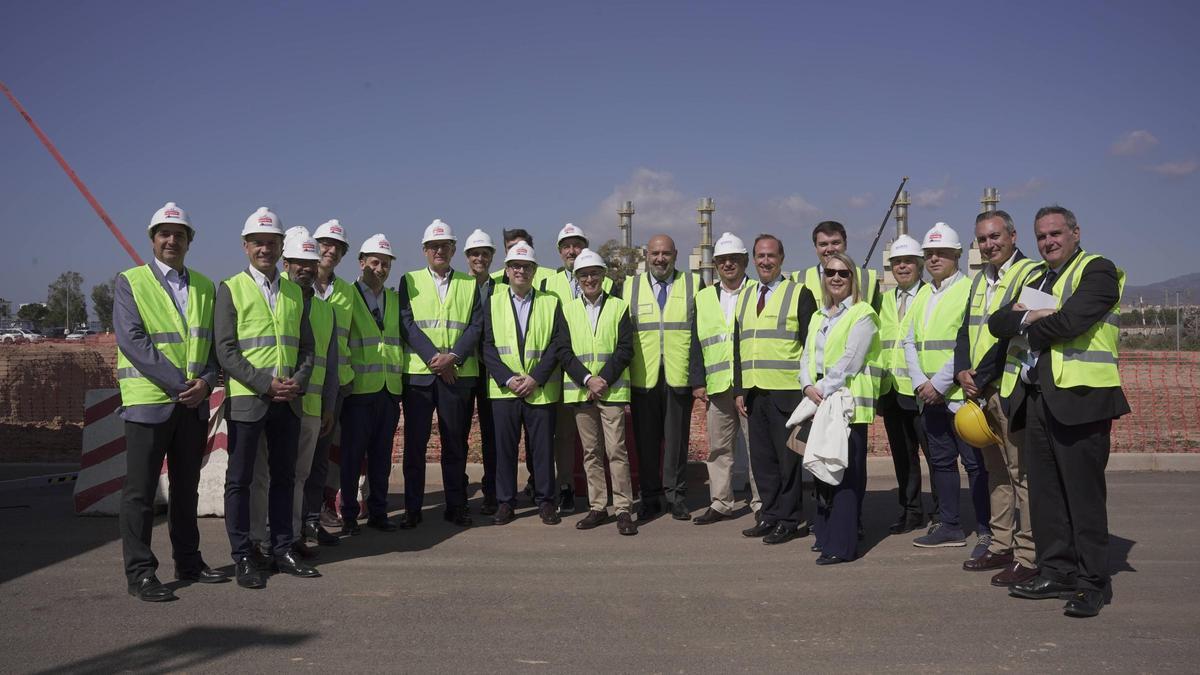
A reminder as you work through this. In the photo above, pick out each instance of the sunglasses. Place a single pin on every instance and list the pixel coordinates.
(829, 274)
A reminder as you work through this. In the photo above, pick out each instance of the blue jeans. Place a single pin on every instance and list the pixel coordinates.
(945, 450)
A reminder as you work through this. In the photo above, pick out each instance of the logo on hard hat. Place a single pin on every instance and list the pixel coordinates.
(935, 236)
(171, 213)
(309, 247)
(383, 243)
(266, 220)
(335, 229)
(439, 230)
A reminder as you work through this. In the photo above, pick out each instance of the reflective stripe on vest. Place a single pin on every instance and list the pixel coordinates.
(377, 357)
(269, 340)
(342, 301)
(892, 330)
(1090, 359)
(321, 319)
(538, 329)
(715, 336)
(595, 348)
(864, 386)
(936, 335)
(443, 322)
(663, 338)
(980, 338)
(187, 347)
(769, 344)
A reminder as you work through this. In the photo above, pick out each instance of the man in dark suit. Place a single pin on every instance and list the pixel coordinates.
(479, 251)
(162, 318)
(1067, 395)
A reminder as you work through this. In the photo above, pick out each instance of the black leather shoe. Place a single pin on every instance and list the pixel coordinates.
(549, 513)
(679, 511)
(815, 548)
(290, 564)
(249, 576)
(504, 515)
(566, 501)
(151, 589)
(410, 520)
(760, 529)
(758, 516)
(489, 506)
(907, 523)
(592, 519)
(203, 575)
(1041, 588)
(261, 559)
(709, 517)
(459, 515)
(382, 524)
(315, 533)
(625, 524)
(649, 510)
(781, 534)
(303, 551)
(1084, 604)
(830, 560)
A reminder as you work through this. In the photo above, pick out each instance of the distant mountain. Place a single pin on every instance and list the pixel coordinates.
(1187, 285)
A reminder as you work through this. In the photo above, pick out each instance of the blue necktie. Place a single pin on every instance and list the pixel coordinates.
(662, 295)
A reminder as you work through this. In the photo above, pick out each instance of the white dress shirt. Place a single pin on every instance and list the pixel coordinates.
(324, 295)
(728, 298)
(178, 284)
(441, 283)
(269, 287)
(523, 306)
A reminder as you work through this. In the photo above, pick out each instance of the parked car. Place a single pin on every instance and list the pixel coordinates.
(14, 335)
(76, 337)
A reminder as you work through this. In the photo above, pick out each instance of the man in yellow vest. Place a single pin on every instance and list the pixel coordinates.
(320, 512)
(315, 407)
(772, 327)
(596, 387)
(372, 410)
(264, 344)
(524, 340)
(563, 285)
(897, 403)
(512, 236)
(711, 370)
(1066, 394)
(979, 360)
(440, 321)
(661, 304)
(479, 251)
(929, 356)
(829, 237)
(163, 319)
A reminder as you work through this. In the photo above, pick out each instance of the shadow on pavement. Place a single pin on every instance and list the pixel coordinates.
(186, 649)
(46, 530)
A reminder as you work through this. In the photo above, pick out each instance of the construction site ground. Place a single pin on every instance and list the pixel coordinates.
(532, 598)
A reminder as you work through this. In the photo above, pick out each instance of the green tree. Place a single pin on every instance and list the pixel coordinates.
(34, 312)
(65, 302)
(102, 301)
(621, 261)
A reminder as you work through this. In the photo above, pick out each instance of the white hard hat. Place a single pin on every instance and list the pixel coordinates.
(941, 235)
(728, 244)
(570, 230)
(299, 245)
(589, 258)
(170, 213)
(904, 245)
(479, 239)
(438, 231)
(521, 250)
(377, 243)
(262, 221)
(331, 229)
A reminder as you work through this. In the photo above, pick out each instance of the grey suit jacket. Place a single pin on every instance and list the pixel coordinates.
(229, 355)
(135, 343)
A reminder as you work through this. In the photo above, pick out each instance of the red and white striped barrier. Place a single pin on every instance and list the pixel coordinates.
(102, 465)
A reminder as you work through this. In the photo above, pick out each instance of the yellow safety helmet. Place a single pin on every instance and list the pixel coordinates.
(972, 426)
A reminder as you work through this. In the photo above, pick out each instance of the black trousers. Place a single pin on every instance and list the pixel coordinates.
(181, 440)
(487, 435)
(282, 429)
(511, 417)
(662, 421)
(453, 406)
(1068, 496)
(776, 469)
(906, 437)
(839, 507)
(318, 476)
(368, 430)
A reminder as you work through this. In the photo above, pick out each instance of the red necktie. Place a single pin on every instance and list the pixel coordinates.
(762, 298)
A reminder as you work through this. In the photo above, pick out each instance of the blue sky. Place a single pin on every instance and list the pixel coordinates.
(492, 115)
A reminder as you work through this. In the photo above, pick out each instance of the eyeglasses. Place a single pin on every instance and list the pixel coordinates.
(829, 274)
(439, 246)
(589, 274)
(520, 267)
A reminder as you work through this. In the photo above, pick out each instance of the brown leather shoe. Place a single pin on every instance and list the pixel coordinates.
(1015, 573)
(989, 561)
(625, 524)
(709, 516)
(591, 520)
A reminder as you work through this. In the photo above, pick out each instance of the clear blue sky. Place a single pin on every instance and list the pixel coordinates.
(388, 115)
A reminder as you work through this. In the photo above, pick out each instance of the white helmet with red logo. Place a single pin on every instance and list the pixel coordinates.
(479, 239)
(331, 229)
(170, 213)
(298, 245)
(377, 243)
(438, 231)
(941, 235)
(521, 250)
(263, 221)
(572, 230)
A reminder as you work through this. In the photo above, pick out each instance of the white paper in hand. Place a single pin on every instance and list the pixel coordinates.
(1032, 298)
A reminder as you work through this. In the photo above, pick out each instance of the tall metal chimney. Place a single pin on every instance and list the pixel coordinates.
(991, 197)
(705, 210)
(626, 214)
(902, 213)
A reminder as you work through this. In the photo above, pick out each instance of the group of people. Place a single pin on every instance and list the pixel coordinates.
(556, 356)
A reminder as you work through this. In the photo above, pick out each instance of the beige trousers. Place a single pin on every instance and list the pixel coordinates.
(602, 431)
(1008, 487)
(310, 429)
(564, 446)
(727, 439)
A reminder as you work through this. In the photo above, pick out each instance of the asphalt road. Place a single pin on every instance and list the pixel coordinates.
(533, 598)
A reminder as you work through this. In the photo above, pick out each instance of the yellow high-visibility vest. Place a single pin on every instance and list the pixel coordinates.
(769, 344)
(269, 340)
(716, 335)
(538, 330)
(442, 321)
(863, 386)
(663, 336)
(594, 348)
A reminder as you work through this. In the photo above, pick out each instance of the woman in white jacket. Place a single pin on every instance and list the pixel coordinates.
(841, 351)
